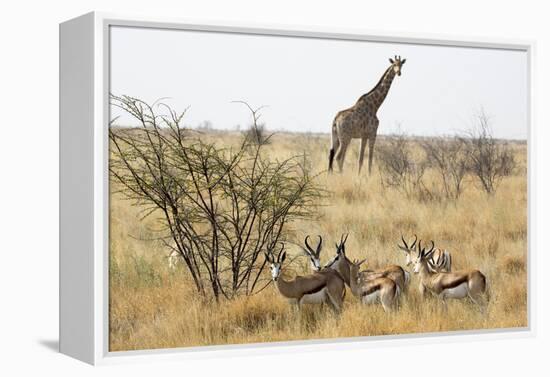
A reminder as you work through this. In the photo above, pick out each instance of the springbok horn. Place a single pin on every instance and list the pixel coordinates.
(431, 251)
(442, 261)
(404, 242)
(343, 242)
(280, 252)
(414, 243)
(319, 246)
(309, 249)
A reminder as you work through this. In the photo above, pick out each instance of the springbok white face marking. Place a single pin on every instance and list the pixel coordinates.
(314, 254)
(173, 259)
(408, 250)
(408, 259)
(315, 264)
(276, 263)
(275, 270)
(416, 265)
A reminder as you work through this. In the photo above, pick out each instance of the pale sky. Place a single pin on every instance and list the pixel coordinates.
(304, 82)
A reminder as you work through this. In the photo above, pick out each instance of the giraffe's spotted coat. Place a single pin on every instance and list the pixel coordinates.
(360, 120)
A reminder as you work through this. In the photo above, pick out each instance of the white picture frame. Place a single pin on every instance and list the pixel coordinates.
(84, 119)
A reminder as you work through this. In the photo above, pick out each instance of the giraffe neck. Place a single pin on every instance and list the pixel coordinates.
(378, 94)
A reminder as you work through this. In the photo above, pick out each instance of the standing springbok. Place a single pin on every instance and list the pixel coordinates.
(341, 263)
(441, 260)
(461, 284)
(314, 255)
(320, 287)
(371, 291)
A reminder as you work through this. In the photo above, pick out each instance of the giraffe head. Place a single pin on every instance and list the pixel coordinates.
(397, 63)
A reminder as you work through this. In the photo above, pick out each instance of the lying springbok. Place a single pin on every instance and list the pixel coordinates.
(460, 284)
(314, 255)
(440, 258)
(320, 287)
(374, 290)
(341, 263)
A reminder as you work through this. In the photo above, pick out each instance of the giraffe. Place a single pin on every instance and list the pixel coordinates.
(360, 121)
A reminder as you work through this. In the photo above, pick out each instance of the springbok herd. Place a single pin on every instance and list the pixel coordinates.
(326, 284)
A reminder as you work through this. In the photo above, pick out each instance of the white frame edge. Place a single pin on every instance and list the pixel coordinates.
(76, 196)
(84, 214)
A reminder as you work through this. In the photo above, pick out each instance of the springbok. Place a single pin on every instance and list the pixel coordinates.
(460, 284)
(173, 259)
(320, 287)
(314, 255)
(373, 290)
(341, 263)
(440, 258)
(439, 264)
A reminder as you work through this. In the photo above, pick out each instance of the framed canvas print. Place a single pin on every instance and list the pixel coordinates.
(229, 188)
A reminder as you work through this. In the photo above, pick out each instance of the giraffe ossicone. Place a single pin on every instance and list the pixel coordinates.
(360, 120)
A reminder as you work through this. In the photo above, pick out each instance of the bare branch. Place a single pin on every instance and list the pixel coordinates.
(221, 207)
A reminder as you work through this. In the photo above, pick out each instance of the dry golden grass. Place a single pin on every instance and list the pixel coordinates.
(152, 306)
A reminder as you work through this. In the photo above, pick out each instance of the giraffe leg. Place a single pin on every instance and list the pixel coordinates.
(362, 153)
(372, 140)
(333, 149)
(342, 153)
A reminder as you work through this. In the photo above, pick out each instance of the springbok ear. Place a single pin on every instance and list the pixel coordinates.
(391, 61)
(403, 61)
(283, 256)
